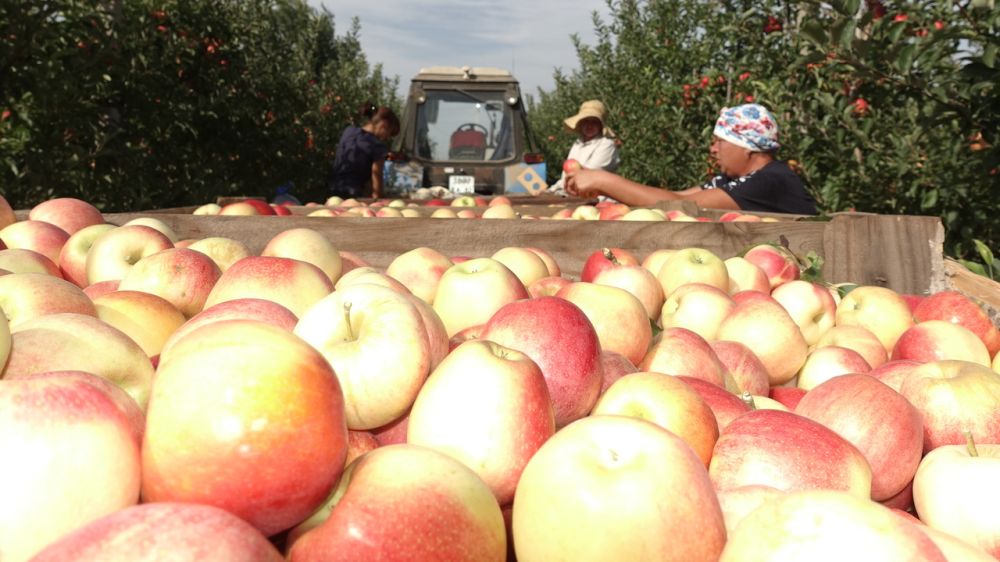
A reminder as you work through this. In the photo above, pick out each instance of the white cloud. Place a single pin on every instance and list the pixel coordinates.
(529, 37)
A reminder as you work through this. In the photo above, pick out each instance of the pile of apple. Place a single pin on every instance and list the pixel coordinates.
(186, 400)
(471, 207)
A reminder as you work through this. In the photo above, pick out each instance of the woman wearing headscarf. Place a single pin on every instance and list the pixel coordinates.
(751, 178)
(595, 147)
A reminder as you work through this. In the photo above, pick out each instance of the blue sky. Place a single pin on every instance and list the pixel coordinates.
(529, 37)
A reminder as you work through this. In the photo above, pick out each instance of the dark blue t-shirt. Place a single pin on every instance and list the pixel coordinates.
(352, 168)
(774, 188)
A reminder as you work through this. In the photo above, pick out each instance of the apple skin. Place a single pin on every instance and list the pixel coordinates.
(692, 265)
(181, 276)
(876, 419)
(669, 403)
(405, 502)
(724, 404)
(16, 260)
(790, 396)
(157, 225)
(953, 397)
(777, 263)
(614, 366)
(810, 305)
(679, 351)
(762, 324)
(73, 458)
(527, 265)
(307, 245)
(618, 317)
(826, 525)
(162, 531)
(571, 166)
(73, 256)
(699, 307)
(557, 335)
(42, 237)
(638, 281)
(67, 213)
(7, 215)
(859, 339)
(223, 251)
(655, 259)
(394, 432)
(294, 284)
(547, 286)
(957, 493)
(146, 318)
(256, 403)
(25, 296)
(101, 288)
(237, 309)
(827, 362)
(488, 407)
(583, 492)
(376, 342)
(739, 502)
(893, 373)
(954, 307)
(470, 292)
(113, 253)
(420, 271)
(605, 258)
(937, 340)
(789, 452)
(745, 275)
(747, 370)
(879, 309)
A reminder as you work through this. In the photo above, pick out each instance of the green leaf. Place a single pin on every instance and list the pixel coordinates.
(851, 7)
(897, 31)
(847, 34)
(990, 55)
(814, 31)
(929, 199)
(984, 251)
(905, 59)
(974, 267)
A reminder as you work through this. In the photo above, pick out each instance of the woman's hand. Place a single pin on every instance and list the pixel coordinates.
(584, 183)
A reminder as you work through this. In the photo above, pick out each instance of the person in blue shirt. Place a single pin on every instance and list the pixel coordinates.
(751, 178)
(361, 153)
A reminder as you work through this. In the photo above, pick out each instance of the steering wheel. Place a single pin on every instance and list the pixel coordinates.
(472, 127)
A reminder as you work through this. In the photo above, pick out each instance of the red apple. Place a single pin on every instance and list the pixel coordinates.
(879, 309)
(614, 366)
(777, 263)
(618, 317)
(699, 307)
(678, 351)
(936, 340)
(893, 373)
(825, 363)
(747, 370)
(67, 213)
(25, 296)
(472, 291)
(724, 404)
(763, 325)
(790, 396)
(308, 245)
(571, 166)
(605, 258)
(954, 307)
(294, 284)
(181, 276)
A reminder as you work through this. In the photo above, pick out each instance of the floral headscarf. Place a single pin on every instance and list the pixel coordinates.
(751, 126)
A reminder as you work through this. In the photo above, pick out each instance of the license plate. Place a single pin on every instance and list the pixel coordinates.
(462, 184)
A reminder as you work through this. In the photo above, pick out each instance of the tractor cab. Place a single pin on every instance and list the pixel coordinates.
(465, 129)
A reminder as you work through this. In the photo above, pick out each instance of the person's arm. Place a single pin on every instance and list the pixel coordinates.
(590, 183)
(377, 178)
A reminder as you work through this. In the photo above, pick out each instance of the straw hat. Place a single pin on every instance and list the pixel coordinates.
(590, 108)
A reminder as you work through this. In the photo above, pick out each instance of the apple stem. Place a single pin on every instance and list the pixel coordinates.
(970, 444)
(747, 399)
(347, 320)
(610, 256)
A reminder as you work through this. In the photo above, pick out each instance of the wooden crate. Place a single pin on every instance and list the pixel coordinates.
(903, 253)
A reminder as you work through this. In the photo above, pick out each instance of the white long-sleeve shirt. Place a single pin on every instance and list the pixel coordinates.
(599, 153)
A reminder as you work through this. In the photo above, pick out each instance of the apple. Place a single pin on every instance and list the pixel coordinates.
(825, 363)
(571, 166)
(547, 286)
(739, 502)
(698, 307)
(666, 401)
(239, 208)
(679, 351)
(79, 342)
(27, 261)
(858, 338)
(527, 265)
(893, 373)
(613, 211)
(325, 213)
(778, 263)
(954, 548)
(223, 251)
(148, 319)
(826, 525)
(95, 290)
(73, 256)
(376, 342)
(390, 212)
(370, 275)
(281, 210)
(585, 213)
(745, 275)
(25, 296)
(67, 213)
(114, 252)
(638, 281)
(163, 531)
(954, 397)
(405, 502)
(73, 457)
(155, 224)
(955, 492)
(936, 340)
(879, 309)
(724, 404)
(208, 209)
(263, 310)
(307, 245)
(764, 326)
(350, 260)
(618, 317)
(7, 215)
(790, 396)
(810, 305)
(292, 283)
(42, 237)
(394, 432)
(614, 366)
(557, 335)
(444, 213)
(333, 201)
(605, 258)
(499, 212)
(877, 420)
(488, 407)
(742, 363)
(420, 271)
(550, 262)
(182, 276)
(692, 265)
(270, 417)
(470, 292)
(789, 452)
(954, 307)
(585, 492)
(655, 259)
